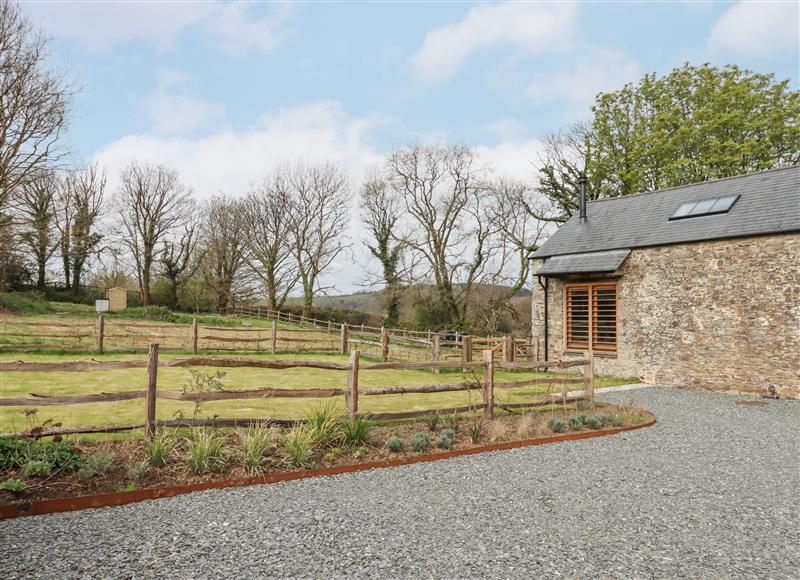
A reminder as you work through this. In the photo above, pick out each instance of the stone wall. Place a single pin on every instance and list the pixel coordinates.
(721, 315)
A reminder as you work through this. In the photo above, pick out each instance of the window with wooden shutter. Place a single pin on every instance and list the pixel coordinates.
(591, 316)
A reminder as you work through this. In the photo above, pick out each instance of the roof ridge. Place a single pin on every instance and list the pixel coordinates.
(729, 178)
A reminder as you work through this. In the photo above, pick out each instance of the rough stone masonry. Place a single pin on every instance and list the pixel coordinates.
(721, 315)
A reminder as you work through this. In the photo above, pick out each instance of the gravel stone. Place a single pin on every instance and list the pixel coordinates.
(710, 491)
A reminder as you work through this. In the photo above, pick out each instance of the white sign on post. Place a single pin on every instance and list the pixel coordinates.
(101, 305)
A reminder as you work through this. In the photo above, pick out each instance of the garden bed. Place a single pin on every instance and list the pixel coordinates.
(179, 461)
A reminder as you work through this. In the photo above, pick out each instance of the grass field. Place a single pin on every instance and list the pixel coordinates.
(22, 384)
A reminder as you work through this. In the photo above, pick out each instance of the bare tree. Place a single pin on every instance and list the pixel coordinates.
(225, 254)
(80, 203)
(180, 260)
(513, 213)
(267, 224)
(35, 204)
(566, 157)
(318, 219)
(449, 223)
(381, 210)
(34, 103)
(152, 203)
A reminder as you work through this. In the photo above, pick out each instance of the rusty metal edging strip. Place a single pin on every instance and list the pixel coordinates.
(51, 506)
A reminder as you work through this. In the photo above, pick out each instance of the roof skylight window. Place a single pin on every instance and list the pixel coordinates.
(710, 206)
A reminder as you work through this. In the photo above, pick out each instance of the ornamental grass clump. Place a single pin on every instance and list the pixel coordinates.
(452, 421)
(556, 425)
(475, 430)
(420, 442)
(395, 444)
(324, 427)
(575, 423)
(159, 449)
(432, 421)
(356, 431)
(298, 445)
(205, 452)
(253, 444)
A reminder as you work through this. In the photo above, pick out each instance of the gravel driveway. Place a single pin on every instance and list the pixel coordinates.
(710, 491)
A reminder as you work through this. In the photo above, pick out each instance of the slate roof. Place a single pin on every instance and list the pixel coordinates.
(769, 203)
(584, 263)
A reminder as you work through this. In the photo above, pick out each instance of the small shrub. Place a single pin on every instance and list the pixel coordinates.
(332, 455)
(159, 449)
(298, 444)
(444, 441)
(432, 421)
(360, 453)
(97, 464)
(356, 431)
(395, 444)
(475, 430)
(253, 444)
(605, 418)
(128, 487)
(137, 470)
(205, 452)
(594, 422)
(583, 418)
(36, 468)
(452, 421)
(451, 433)
(17, 451)
(420, 442)
(556, 425)
(15, 486)
(575, 423)
(617, 421)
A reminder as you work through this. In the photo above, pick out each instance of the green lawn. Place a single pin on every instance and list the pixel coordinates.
(22, 384)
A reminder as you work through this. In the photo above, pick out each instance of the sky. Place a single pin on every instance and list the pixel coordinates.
(223, 91)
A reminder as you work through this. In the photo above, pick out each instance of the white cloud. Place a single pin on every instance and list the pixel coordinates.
(526, 27)
(577, 84)
(171, 109)
(507, 128)
(102, 26)
(517, 158)
(758, 29)
(230, 161)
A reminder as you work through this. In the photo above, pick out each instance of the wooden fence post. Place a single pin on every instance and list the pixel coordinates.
(150, 401)
(194, 336)
(101, 328)
(488, 384)
(466, 348)
(435, 352)
(274, 337)
(352, 384)
(588, 377)
(508, 349)
(343, 339)
(384, 344)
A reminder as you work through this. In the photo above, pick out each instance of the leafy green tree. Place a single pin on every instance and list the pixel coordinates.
(694, 124)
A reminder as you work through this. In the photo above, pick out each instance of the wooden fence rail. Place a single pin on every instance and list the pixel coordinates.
(486, 385)
(108, 334)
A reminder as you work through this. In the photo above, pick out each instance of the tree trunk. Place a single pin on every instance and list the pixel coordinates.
(66, 272)
(40, 277)
(308, 299)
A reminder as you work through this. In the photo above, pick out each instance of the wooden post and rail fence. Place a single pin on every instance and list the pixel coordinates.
(486, 385)
(106, 335)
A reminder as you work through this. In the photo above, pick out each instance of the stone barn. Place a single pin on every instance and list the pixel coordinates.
(695, 286)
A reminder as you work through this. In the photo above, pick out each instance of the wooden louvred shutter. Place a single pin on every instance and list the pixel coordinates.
(578, 317)
(591, 317)
(604, 317)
